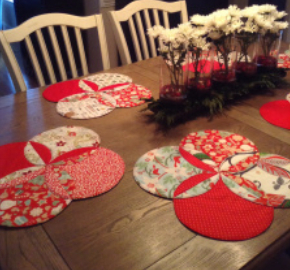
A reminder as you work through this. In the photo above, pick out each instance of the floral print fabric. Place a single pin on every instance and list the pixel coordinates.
(69, 164)
(130, 96)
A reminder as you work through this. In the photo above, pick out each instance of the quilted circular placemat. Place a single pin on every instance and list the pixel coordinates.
(160, 171)
(29, 203)
(277, 112)
(59, 141)
(130, 96)
(219, 152)
(99, 171)
(267, 183)
(86, 106)
(106, 79)
(221, 214)
(64, 89)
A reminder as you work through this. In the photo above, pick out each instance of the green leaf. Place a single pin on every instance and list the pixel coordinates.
(201, 156)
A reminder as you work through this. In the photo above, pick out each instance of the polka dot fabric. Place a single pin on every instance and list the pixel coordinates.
(277, 113)
(222, 215)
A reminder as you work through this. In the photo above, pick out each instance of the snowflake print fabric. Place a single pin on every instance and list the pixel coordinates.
(105, 80)
(86, 106)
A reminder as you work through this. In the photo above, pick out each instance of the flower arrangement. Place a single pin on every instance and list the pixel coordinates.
(173, 52)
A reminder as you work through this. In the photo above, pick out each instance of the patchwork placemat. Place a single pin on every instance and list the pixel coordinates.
(221, 214)
(64, 89)
(86, 106)
(277, 112)
(160, 171)
(29, 203)
(99, 171)
(59, 141)
(219, 152)
(267, 183)
(105, 79)
(130, 96)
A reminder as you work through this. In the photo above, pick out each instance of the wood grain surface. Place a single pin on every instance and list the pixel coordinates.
(128, 228)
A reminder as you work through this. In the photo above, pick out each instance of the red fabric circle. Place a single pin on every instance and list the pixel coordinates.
(277, 113)
(12, 158)
(64, 89)
(221, 214)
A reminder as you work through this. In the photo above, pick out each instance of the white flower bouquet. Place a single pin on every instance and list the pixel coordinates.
(173, 78)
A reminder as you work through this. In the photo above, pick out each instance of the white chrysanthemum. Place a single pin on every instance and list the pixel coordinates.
(250, 12)
(185, 29)
(169, 35)
(281, 14)
(215, 35)
(267, 8)
(199, 19)
(234, 11)
(155, 31)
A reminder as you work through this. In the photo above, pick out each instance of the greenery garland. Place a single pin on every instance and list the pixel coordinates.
(219, 97)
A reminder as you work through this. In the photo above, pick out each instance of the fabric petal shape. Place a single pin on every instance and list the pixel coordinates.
(221, 214)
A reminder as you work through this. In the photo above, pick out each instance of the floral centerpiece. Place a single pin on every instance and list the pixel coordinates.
(268, 21)
(222, 26)
(199, 55)
(247, 38)
(173, 79)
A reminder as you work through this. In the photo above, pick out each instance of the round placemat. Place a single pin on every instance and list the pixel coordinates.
(29, 203)
(106, 79)
(60, 141)
(160, 171)
(221, 214)
(130, 96)
(64, 89)
(86, 106)
(277, 113)
(99, 171)
(268, 183)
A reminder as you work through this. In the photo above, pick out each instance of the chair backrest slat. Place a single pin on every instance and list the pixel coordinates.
(11, 63)
(151, 39)
(69, 51)
(133, 10)
(165, 19)
(45, 56)
(81, 51)
(135, 39)
(49, 21)
(34, 61)
(142, 35)
(103, 42)
(57, 53)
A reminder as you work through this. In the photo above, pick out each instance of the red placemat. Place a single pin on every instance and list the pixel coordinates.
(221, 214)
(277, 113)
(64, 89)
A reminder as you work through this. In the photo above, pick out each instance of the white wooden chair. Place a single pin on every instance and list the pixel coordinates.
(133, 10)
(49, 21)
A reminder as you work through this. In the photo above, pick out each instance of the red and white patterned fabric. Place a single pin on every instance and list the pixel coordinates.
(105, 80)
(48, 145)
(130, 96)
(43, 179)
(61, 90)
(86, 106)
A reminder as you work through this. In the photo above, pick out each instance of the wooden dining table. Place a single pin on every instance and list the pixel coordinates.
(128, 228)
